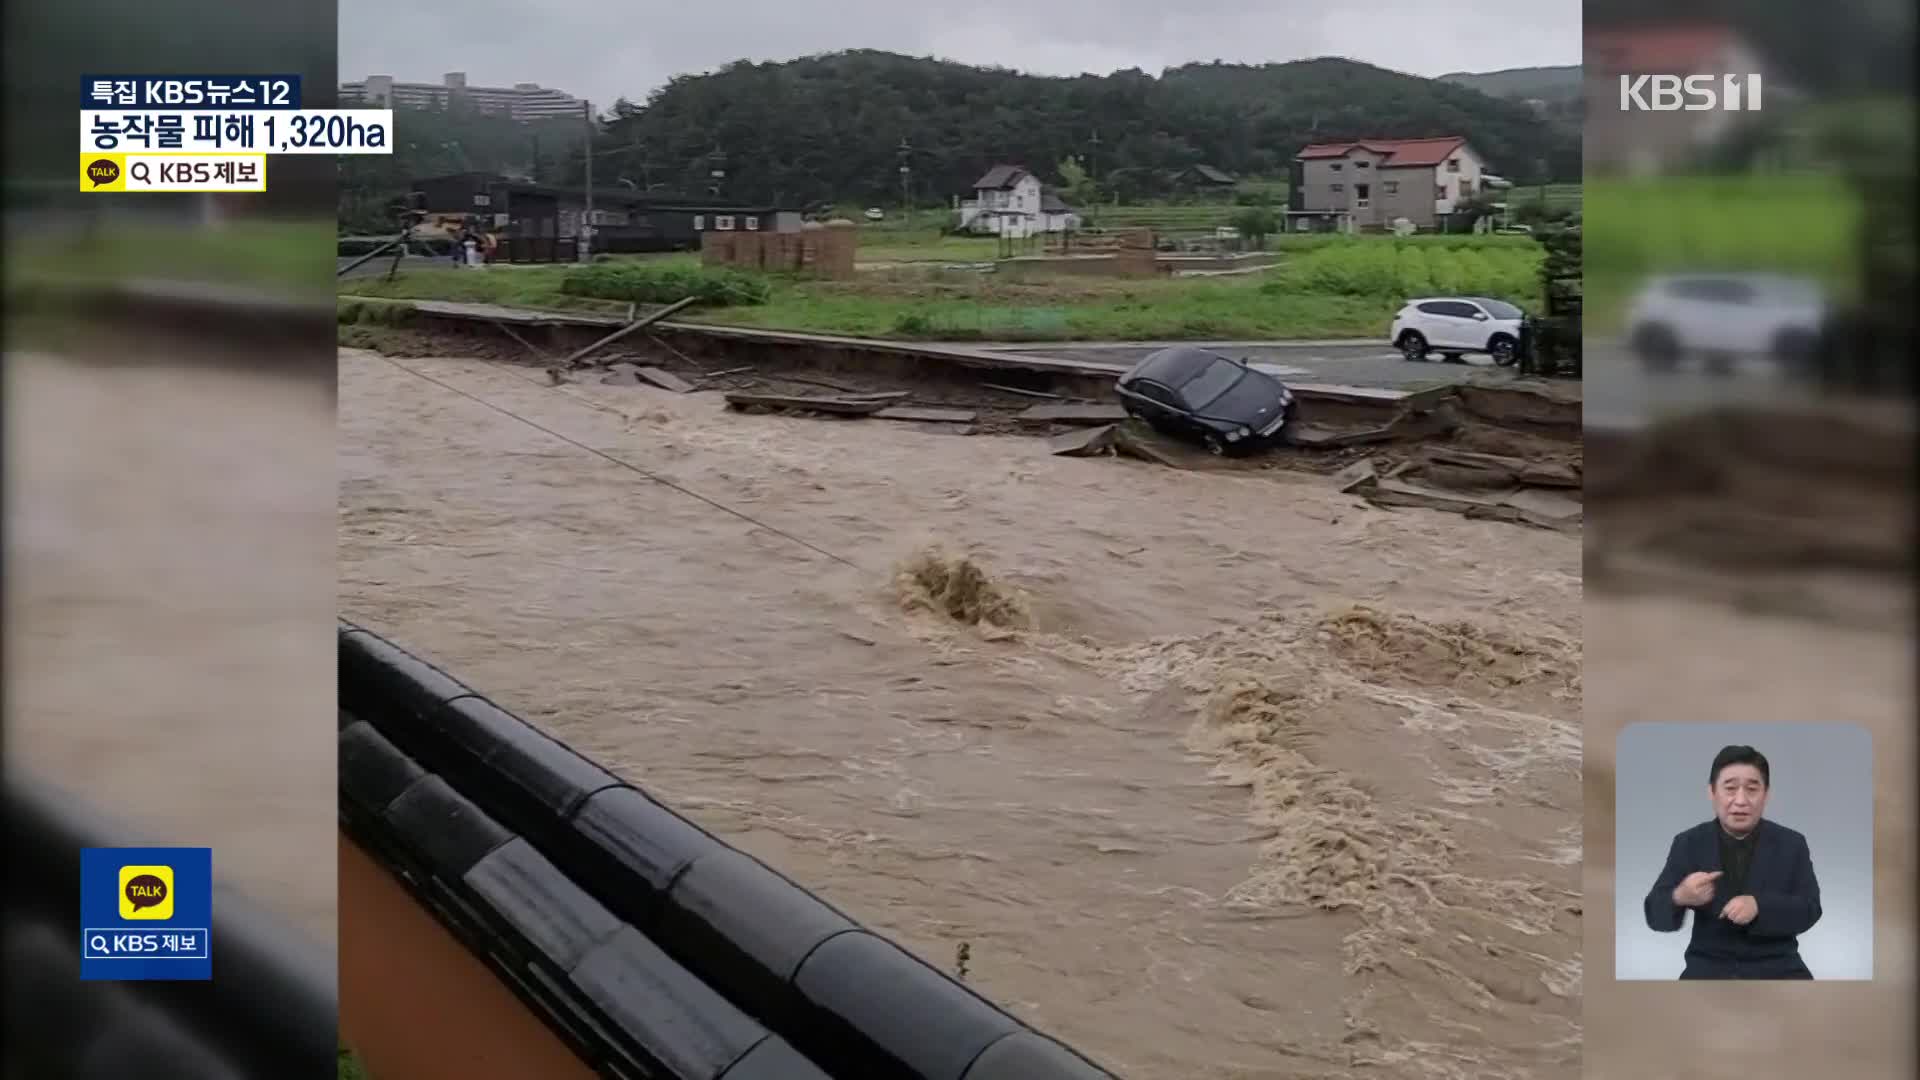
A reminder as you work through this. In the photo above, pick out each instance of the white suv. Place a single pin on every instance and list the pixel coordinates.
(1456, 325)
(1723, 317)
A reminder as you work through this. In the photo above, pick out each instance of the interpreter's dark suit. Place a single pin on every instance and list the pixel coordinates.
(1780, 880)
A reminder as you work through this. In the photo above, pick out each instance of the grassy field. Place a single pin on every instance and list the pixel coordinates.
(1169, 218)
(1323, 287)
(1556, 196)
(1802, 224)
(269, 255)
(1170, 215)
(881, 245)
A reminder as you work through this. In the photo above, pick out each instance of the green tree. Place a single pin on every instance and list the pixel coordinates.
(1077, 187)
(1468, 212)
(1255, 224)
(828, 127)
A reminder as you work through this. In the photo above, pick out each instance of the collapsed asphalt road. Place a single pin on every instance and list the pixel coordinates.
(1352, 362)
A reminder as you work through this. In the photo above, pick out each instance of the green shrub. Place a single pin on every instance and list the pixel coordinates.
(656, 284)
(1378, 267)
(353, 312)
(911, 324)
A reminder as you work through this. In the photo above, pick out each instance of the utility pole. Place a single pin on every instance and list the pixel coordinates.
(716, 171)
(586, 228)
(906, 181)
(1093, 184)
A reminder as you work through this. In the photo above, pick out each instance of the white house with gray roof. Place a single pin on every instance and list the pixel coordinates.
(1010, 201)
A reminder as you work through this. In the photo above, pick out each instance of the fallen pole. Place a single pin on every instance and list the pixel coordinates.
(1023, 393)
(372, 255)
(637, 324)
(524, 343)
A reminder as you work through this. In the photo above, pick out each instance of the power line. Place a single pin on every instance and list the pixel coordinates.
(602, 454)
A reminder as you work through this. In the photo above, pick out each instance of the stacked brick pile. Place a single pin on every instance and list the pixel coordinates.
(1135, 256)
(826, 251)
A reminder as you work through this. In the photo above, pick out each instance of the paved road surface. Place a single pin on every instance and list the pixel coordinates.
(1355, 363)
(1618, 393)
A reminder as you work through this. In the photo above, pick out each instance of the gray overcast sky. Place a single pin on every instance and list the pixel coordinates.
(603, 49)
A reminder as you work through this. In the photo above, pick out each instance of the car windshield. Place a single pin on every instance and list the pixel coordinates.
(1215, 379)
(1500, 309)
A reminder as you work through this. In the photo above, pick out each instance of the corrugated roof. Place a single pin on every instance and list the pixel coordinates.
(1399, 152)
(1213, 174)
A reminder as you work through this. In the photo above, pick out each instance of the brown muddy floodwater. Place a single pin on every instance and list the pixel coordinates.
(169, 576)
(1237, 776)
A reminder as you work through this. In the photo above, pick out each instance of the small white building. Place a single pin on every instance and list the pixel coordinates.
(1009, 200)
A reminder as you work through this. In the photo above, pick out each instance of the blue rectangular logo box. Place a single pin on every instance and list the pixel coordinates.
(146, 913)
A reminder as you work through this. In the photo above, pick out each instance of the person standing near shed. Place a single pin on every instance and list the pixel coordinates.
(1748, 881)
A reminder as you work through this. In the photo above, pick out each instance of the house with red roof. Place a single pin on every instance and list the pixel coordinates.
(1370, 183)
(1618, 140)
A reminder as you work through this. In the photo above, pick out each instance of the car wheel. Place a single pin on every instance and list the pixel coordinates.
(1413, 346)
(1504, 350)
(1657, 348)
(1795, 350)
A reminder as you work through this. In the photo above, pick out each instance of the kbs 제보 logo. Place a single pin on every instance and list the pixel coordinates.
(146, 913)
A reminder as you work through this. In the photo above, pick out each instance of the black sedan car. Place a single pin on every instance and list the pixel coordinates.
(1202, 395)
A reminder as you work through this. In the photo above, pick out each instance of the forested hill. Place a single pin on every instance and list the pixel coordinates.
(831, 127)
(1542, 83)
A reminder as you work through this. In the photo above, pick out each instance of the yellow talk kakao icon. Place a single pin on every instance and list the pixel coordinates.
(146, 892)
(103, 172)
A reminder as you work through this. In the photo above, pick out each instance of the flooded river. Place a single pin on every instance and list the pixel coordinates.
(1234, 776)
(163, 522)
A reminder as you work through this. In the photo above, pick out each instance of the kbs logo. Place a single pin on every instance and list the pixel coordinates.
(1691, 93)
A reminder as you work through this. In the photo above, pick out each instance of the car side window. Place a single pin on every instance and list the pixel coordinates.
(1435, 307)
(1157, 394)
(1713, 291)
(1455, 309)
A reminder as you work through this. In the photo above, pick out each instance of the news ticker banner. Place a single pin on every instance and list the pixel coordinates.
(175, 133)
(146, 913)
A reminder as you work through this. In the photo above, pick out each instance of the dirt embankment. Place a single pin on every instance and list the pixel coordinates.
(1805, 512)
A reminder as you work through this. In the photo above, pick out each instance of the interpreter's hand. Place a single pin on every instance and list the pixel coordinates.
(1740, 910)
(1696, 889)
